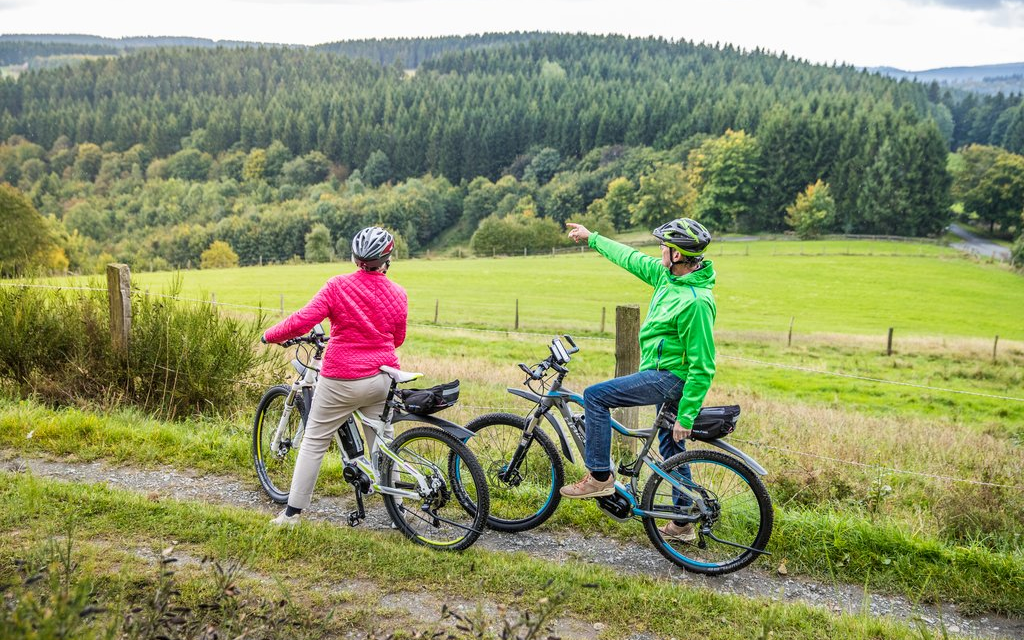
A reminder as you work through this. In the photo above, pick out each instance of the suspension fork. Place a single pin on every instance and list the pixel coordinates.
(510, 473)
(289, 406)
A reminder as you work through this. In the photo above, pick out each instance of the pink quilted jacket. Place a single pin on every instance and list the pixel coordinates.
(368, 314)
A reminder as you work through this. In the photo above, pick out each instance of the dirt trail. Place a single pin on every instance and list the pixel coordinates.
(557, 546)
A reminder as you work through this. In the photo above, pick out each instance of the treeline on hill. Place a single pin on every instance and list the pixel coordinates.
(14, 52)
(412, 52)
(153, 156)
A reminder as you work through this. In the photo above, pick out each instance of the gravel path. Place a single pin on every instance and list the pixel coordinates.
(626, 557)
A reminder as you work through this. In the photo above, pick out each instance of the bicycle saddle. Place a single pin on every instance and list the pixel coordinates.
(400, 376)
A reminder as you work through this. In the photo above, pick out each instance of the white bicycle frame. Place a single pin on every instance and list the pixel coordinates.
(307, 381)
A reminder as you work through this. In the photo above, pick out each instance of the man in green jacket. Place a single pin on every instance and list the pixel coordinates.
(677, 350)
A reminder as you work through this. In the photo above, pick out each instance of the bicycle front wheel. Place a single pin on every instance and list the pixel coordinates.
(452, 512)
(523, 476)
(738, 521)
(274, 467)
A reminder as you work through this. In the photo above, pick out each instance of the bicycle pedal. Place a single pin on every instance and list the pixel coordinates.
(354, 519)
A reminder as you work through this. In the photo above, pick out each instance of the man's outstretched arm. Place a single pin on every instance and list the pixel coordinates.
(638, 263)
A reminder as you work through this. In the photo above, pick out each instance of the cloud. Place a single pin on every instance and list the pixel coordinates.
(975, 5)
(340, 3)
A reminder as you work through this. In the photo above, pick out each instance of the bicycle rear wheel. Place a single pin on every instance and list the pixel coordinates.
(740, 512)
(274, 469)
(523, 488)
(453, 512)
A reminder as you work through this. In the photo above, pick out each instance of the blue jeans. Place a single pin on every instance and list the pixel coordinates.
(640, 389)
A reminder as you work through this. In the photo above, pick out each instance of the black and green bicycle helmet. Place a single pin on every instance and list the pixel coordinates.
(686, 236)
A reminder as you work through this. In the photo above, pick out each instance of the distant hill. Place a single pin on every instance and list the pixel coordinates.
(987, 79)
(128, 43)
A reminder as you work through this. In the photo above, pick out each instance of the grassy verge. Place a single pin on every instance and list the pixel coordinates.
(33, 508)
(858, 538)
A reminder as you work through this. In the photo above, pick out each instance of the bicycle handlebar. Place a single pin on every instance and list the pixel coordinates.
(312, 338)
(539, 369)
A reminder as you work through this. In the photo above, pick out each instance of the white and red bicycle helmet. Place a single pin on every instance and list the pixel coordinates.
(372, 247)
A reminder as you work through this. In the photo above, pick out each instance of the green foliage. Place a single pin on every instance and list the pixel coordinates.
(724, 173)
(377, 169)
(255, 167)
(813, 212)
(543, 166)
(664, 195)
(905, 190)
(618, 201)
(87, 162)
(189, 164)
(311, 168)
(219, 255)
(1017, 253)
(27, 242)
(318, 244)
(990, 182)
(184, 358)
(517, 232)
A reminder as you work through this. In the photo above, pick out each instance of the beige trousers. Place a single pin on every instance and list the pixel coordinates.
(334, 401)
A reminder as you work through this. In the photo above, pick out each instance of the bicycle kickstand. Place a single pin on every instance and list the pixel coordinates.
(359, 514)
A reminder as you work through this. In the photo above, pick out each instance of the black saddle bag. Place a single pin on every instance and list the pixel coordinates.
(715, 422)
(432, 400)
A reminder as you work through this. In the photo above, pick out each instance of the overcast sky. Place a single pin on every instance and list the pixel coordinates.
(909, 34)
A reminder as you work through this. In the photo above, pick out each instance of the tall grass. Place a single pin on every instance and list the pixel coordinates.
(184, 358)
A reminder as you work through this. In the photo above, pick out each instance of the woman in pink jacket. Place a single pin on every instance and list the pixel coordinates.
(368, 316)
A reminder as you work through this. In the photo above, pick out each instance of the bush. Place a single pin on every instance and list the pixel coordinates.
(813, 212)
(1017, 253)
(184, 358)
(220, 255)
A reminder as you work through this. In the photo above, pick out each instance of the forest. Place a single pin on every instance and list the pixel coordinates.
(151, 156)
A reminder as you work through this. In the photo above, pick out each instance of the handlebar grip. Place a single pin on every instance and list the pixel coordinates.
(571, 342)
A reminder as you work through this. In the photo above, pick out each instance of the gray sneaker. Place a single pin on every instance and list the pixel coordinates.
(682, 533)
(588, 487)
(286, 521)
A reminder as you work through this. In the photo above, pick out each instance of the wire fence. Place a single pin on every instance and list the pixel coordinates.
(530, 334)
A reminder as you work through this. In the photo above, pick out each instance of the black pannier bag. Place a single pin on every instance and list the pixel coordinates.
(432, 400)
(715, 422)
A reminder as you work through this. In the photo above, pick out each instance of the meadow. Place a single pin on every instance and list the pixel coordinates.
(907, 488)
(845, 287)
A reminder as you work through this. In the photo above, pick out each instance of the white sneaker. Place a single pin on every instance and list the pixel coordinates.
(286, 521)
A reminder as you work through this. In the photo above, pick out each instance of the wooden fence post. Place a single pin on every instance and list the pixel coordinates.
(791, 320)
(437, 303)
(995, 345)
(602, 319)
(888, 347)
(119, 285)
(517, 314)
(282, 304)
(627, 356)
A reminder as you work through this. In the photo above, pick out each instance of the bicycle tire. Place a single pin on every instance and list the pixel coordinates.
(745, 513)
(528, 501)
(275, 470)
(436, 454)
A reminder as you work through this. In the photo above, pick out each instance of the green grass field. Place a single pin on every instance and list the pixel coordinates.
(925, 290)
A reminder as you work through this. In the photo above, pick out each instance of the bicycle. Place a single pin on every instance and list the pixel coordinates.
(720, 494)
(416, 467)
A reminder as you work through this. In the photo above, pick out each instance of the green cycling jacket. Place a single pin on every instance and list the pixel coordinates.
(677, 334)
